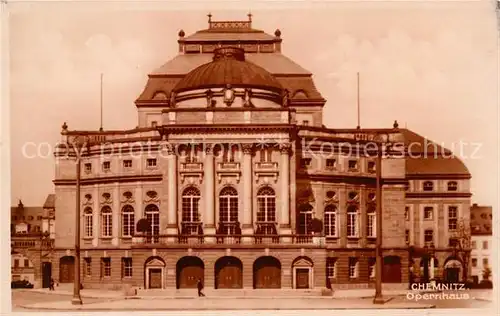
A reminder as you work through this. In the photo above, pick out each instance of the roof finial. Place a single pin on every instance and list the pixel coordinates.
(249, 16)
(395, 125)
(209, 17)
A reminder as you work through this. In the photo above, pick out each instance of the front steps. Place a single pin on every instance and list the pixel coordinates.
(246, 293)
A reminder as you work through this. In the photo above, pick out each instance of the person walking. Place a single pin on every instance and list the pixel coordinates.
(200, 288)
(51, 286)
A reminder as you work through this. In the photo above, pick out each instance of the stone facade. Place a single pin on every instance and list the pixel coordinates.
(229, 166)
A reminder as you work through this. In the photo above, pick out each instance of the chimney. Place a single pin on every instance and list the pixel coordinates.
(474, 205)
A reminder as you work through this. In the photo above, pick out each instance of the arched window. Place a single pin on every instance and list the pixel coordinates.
(428, 186)
(228, 209)
(330, 221)
(230, 152)
(153, 216)
(107, 221)
(127, 221)
(452, 186)
(352, 221)
(371, 231)
(190, 210)
(266, 205)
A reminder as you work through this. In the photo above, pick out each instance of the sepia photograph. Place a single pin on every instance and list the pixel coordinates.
(256, 156)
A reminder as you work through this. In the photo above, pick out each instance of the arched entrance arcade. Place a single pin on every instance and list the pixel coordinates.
(228, 273)
(267, 273)
(188, 271)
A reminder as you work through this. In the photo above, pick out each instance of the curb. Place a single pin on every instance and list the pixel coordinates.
(69, 294)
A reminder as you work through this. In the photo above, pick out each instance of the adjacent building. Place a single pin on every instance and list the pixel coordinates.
(229, 165)
(32, 234)
(482, 241)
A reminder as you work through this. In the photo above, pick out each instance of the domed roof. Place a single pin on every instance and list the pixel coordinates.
(228, 67)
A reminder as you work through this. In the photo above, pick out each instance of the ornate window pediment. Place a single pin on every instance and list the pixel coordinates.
(87, 199)
(127, 197)
(151, 196)
(302, 263)
(155, 263)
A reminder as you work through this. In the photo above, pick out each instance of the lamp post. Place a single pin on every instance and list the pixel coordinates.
(77, 299)
(378, 299)
(43, 237)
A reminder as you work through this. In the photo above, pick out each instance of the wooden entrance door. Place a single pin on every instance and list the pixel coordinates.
(391, 272)
(155, 279)
(189, 275)
(302, 278)
(452, 275)
(229, 274)
(267, 274)
(67, 269)
(47, 274)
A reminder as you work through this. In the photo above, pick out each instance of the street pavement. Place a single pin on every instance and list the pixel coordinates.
(31, 300)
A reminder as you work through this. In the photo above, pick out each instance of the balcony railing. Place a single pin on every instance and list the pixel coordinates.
(266, 165)
(221, 239)
(230, 166)
(191, 166)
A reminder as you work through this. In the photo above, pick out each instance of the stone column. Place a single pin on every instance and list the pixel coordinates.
(139, 207)
(285, 189)
(95, 216)
(247, 225)
(209, 178)
(172, 228)
(116, 215)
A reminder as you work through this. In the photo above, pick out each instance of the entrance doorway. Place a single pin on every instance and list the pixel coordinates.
(67, 269)
(228, 273)
(189, 270)
(391, 272)
(154, 270)
(302, 268)
(452, 271)
(301, 278)
(46, 274)
(267, 273)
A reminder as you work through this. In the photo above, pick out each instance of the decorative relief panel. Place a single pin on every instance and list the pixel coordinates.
(151, 197)
(87, 200)
(106, 198)
(267, 48)
(127, 197)
(191, 48)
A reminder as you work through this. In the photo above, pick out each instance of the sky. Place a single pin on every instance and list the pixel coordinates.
(431, 66)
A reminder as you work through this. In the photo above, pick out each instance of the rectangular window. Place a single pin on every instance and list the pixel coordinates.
(88, 167)
(39, 218)
(330, 223)
(452, 217)
(88, 267)
(305, 122)
(473, 244)
(407, 213)
(105, 267)
(26, 263)
(485, 262)
(371, 166)
(428, 236)
(331, 268)
(305, 162)
(371, 225)
(127, 163)
(474, 262)
(154, 123)
(353, 165)
(126, 267)
(331, 163)
(485, 244)
(151, 162)
(353, 268)
(106, 165)
(407, 236)
(371, 267)
(16, 263)
(266, 155)
(428, 212)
